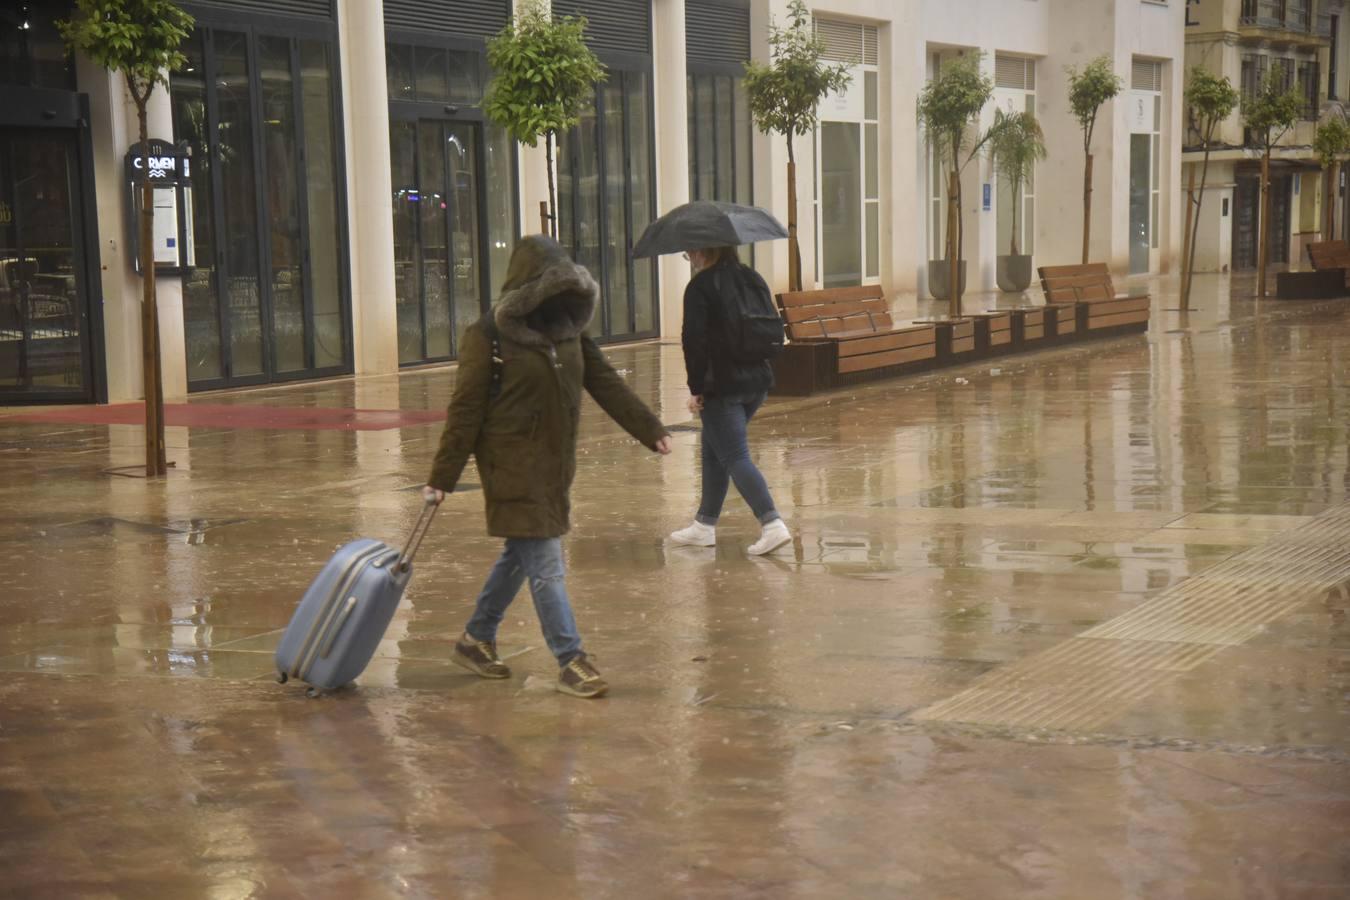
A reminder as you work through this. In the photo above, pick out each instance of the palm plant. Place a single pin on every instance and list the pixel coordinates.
(1016, 144)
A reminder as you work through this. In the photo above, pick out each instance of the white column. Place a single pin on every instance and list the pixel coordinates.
(369, 186)
(672, 147)
(114, 128)
(533, 181)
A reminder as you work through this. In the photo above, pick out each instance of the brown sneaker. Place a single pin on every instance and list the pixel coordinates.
(580, 679)
(479, 657)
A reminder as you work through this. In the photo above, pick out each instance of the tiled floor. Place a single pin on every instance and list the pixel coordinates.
(777, 727)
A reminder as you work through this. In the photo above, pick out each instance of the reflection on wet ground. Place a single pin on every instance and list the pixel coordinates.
(887, 710)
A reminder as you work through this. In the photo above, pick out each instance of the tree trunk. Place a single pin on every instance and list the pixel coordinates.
(1087, 206)
(552, 229)
(1263, 233)
(1016, 206)
(794, 249)
(543, 217)
(156, 462)
(1333, 196)
(1194, 236)
(1186, 239)
(953, 244)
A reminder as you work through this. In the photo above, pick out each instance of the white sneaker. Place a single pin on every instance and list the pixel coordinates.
(696, 535)
(774, 535)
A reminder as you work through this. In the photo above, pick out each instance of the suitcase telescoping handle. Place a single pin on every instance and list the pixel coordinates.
(419, 531)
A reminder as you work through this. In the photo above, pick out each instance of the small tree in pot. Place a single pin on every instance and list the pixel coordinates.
(949, 105)
(1016, 144)
(544, 75)
(783, 96)
(1088, 90)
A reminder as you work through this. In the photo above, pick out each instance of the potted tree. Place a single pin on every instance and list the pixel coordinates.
(949, 105)
(1088, 90)
(1016, 144)
(1212, 100)
(140, 40)
(543, 77)
(783, 96)
(1269, 114)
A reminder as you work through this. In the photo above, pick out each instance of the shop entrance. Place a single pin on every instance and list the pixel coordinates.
(46, 354)
(440, 228)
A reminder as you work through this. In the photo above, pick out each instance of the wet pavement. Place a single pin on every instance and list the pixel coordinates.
(1070, 624)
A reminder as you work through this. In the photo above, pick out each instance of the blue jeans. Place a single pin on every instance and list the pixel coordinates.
(726, 458)
(541, 561)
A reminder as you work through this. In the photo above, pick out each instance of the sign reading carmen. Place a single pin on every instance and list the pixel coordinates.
(164, 164)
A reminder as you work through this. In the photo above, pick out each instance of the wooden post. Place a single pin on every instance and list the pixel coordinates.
(1087, 207)
(1186, 241)
(1263, 232)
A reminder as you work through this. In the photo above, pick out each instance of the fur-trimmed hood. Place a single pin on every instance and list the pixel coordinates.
(546, 298)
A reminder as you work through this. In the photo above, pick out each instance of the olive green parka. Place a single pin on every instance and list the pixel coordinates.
(524, 440)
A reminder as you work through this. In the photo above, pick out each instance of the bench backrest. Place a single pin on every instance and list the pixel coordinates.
(835, 311)
(1069, 284)
(1329, 255)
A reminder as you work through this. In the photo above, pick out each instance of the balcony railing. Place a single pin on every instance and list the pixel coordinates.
(1285, 15)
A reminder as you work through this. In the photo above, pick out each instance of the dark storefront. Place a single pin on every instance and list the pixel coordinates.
(1246, 216)
(50, 309)
(606, 168)
(453, 172)
(258, 105)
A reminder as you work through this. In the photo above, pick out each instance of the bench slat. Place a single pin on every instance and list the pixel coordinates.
(795, 314)
(831, 295)
(889, 358)
(896, 340)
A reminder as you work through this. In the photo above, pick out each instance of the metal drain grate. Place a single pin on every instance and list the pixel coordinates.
(1089, 679)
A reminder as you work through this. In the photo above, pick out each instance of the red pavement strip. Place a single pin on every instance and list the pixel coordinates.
(207, 415)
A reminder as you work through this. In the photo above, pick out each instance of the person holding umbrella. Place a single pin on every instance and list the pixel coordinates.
(731, 331)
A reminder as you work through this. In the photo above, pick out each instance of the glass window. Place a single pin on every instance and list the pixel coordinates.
(466, 78)
(201, 311)
(693, 124)
(501, 200)
(745, 132)
(841, 203)
(32, 52)
(407, 287)
(616, 211)
(640, 166)
(432, 83)
(321, 182)
(238, 199)
(873, 239)
(705, 96)
(873, 149)
(870, 103)
(279, 142)
(431, 206)
(724, 164)
(398, 66)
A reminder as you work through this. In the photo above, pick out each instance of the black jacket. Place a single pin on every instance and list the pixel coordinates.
(710, 367)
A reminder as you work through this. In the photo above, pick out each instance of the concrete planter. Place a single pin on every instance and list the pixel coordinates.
(1014, 273)
(938, 271)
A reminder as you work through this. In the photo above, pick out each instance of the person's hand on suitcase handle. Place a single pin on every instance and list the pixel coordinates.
(432, 495)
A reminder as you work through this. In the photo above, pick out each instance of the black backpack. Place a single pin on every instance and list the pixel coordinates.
(751, 326)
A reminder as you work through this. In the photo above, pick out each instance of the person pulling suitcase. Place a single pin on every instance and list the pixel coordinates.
(516, 409)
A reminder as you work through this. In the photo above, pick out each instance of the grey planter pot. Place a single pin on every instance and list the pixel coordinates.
(938, 269)
(1014, 273)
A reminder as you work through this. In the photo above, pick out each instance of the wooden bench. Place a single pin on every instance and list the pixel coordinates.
(857, 322)
(1089, 289)
(1326, 255)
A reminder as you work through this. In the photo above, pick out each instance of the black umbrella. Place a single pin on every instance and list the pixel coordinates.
(706, 223)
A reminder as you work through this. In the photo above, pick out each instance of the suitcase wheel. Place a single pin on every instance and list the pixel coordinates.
(282, 678)
(313, 693)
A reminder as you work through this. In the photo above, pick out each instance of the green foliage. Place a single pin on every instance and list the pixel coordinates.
(1211, 100)
(1016, 144)
(544, 75)
(1272, 111)
(783, 95)
(139, 38)
(949, 103)
(1332, 141)
(1088, 90)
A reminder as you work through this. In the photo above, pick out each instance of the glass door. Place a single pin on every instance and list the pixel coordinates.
(439, 235)
(45, 351)
(1141, 148)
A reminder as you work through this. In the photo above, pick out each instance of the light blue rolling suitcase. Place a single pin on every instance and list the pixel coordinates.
(345, 612)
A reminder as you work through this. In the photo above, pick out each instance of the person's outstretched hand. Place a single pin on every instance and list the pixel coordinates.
(432, 495)
(663, 446)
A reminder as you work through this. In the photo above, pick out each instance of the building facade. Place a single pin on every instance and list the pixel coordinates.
(345, 206)
(1304, 42)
